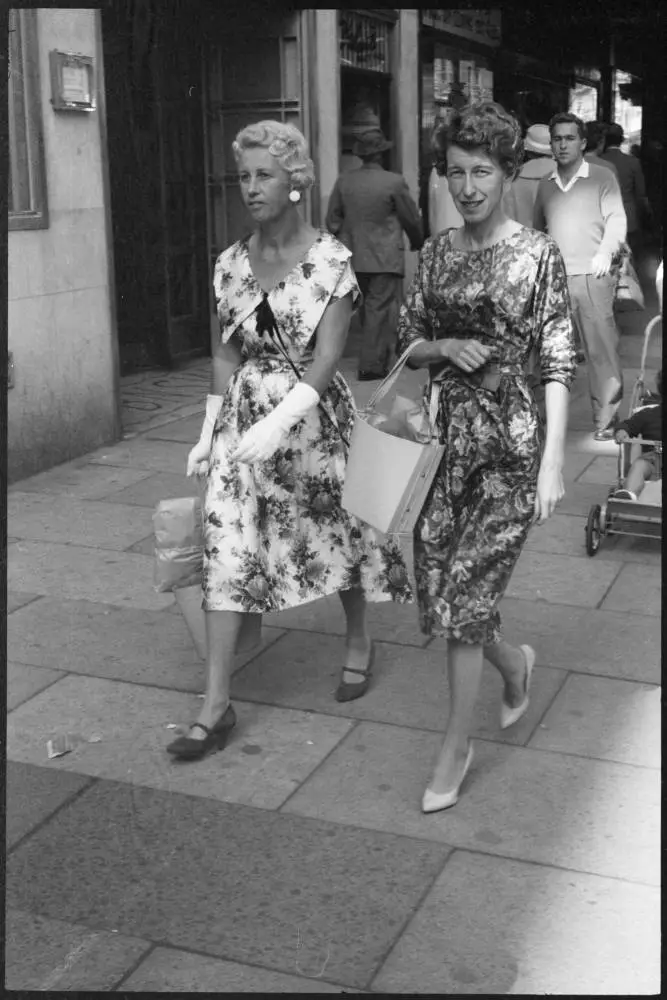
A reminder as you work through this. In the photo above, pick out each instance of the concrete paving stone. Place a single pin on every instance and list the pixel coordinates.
(187, 429)
(602, 470)
(16, 599)
(386, 620)
(604, 718)
(75, 521)
(81, 573)
(637, 589)
(565, 534)
(580, 497)
(647, 551)
(247, 885)
(33, 793)
(575, 463)
(149, 492)
(142, 453)
(270, 753)
(80, 479)
(23, 681)
(146, 547)
(46, 955)
(409, 687)
(610, 643)
(561, 579)
(529, 804)
(169, 971)
(495, 927)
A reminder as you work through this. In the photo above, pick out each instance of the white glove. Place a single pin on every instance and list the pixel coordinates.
(200, 454)
(262, 439)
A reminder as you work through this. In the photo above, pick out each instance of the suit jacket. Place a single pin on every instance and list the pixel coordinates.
(368, 210)
(631, 180)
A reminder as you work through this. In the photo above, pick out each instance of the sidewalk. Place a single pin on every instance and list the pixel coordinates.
(298, 859)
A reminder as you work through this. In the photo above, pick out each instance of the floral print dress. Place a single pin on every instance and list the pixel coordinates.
(275, 532)
(514, 297)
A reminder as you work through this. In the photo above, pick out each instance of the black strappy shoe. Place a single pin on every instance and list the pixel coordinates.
(186, 748)
(348, 691)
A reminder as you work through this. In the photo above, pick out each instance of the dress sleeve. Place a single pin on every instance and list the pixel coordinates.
(347, 282)
(554, 333)
(413, 321)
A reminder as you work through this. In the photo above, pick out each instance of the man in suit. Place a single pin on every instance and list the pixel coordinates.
(596, 137)
(631, 180)
(369, 209)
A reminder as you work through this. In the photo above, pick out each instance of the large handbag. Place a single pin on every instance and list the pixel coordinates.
(387, 478)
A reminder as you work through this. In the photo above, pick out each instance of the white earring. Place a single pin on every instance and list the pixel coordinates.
(295, 197)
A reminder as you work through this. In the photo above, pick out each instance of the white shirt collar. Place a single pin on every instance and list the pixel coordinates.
(583, 171)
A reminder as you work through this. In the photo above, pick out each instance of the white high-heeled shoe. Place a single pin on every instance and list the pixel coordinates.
(434, 802)
(508, 716)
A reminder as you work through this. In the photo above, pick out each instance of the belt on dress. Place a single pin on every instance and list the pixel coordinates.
(486, 377)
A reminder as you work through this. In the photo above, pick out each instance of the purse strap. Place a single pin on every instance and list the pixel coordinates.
(390, 380)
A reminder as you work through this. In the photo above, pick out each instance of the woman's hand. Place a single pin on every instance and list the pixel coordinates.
(198, 459)
(550, 491)
(468, 355)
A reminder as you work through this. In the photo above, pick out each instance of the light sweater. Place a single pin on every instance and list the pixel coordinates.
(586, 220)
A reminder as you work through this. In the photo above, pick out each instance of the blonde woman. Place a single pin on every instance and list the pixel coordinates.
(273, 444)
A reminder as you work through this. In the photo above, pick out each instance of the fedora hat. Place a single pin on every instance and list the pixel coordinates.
(370, 143)
(538, 140)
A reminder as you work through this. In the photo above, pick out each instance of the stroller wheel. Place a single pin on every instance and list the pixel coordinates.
(593, 530)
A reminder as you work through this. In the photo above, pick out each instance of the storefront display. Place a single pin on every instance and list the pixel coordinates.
(627, 108)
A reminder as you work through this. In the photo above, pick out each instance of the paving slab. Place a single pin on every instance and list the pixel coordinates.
(167, 970)
(604, 718)
(386, 620)
(565, 534)
(41, 517)
(580, 497)
(46, 955)
(149, 491)
(77, 572)
(238, 883)
(409, 686)
(529, 804)
(637, 589)
(16, 599)
(24, 680)
(142, 453)
(80, 479)
(614, 644)
(603, 471)
(559, 579)
(187, 430)
(33, 794)
(146, 547)
(486, 928)
(271, 751)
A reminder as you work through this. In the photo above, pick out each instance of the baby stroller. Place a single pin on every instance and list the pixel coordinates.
(641, 518)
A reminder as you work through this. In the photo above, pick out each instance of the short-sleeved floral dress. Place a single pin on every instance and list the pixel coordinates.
(470, 533)
(275, 532)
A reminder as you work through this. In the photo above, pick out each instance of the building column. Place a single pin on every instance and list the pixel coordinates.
(326, 90)
(406, 104)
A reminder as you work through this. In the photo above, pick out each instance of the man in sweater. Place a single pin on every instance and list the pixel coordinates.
(579, 204)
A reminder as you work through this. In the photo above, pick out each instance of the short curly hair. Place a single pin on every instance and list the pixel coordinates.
(285, 143)
(485, 126)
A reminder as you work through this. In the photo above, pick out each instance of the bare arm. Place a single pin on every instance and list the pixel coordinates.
(226, 359)
(330, 343)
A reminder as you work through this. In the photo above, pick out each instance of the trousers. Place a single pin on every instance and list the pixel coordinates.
(593, 314)
(379, 319)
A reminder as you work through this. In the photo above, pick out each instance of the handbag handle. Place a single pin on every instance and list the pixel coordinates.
(389, 380)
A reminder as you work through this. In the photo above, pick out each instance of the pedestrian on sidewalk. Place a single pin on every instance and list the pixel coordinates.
(273, 441)
(369, 209)
(633, 189)
(538, 163)
(596, 138)
(579, 204)
(483, 296)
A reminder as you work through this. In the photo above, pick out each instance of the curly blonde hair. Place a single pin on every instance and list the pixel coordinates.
(484, 126)
(285, 143)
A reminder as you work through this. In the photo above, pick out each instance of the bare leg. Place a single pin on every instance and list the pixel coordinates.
(464, 663)
(358, 639)
(511, 663)
(222, 628)
(637, 475)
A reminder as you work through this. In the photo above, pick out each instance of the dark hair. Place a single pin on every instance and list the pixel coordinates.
(567, 118)
(615, 135)
(595, 133)
(485, 126)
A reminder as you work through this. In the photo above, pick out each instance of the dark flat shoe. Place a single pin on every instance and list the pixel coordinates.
(346, 690)
(605, 435)
(186, 748)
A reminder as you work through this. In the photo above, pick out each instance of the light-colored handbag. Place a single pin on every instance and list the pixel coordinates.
(387, 477)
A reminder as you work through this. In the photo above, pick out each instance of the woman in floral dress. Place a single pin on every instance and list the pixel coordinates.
(273, 445)
(483, 296)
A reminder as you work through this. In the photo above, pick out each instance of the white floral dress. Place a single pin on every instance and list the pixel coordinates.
(276, 535)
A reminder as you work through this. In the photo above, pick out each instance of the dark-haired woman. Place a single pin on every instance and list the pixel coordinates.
(483, 296)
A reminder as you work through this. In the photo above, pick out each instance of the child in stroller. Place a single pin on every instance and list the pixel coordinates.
(647, 422)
